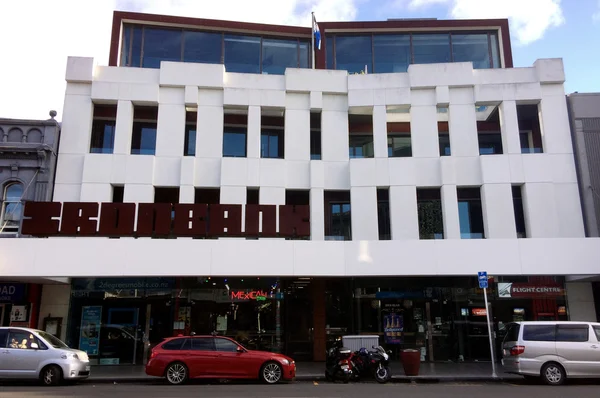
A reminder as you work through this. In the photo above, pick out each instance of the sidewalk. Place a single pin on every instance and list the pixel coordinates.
(438, 371)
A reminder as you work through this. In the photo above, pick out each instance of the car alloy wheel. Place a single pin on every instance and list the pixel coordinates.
(554, 374)
(271, 373)
(51, 376)
(176, 373)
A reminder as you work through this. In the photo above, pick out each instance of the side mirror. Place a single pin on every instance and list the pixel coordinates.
(35, 346)
(240, 350)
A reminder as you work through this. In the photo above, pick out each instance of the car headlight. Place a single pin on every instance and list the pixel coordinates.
(285, 362)
(70, 356)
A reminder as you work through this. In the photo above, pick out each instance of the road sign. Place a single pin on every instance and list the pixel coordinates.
(483, 279)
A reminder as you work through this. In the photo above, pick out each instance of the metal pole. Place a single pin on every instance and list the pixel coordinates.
(487, 315)
(312, 37)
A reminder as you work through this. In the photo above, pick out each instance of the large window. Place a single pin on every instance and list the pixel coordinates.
(338, 220)
(360, 139)
(429, 207)
(383, 214)
(391, 53)
(354, 53)
(271, 144)
(11, 208)
(234, 142)
(147, 46)
(470, 213)
(517, 196)
(315, 135)
(143, 139)
(103, 129)
(189, 144)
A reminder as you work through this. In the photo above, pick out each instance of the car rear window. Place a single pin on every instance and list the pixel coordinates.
(573, 333)
(596, 329)
(539, 333)
(512, 333)
(174, 344)
(3, 336)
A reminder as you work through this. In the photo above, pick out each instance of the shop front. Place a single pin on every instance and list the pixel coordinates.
(19, 304)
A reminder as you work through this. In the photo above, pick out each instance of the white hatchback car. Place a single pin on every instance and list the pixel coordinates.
(33, 354)
(552, 350)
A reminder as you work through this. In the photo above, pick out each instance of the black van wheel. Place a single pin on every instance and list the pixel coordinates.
(553, 374)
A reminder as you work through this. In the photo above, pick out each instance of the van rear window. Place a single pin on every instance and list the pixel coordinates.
(539, 333)
(513, 332)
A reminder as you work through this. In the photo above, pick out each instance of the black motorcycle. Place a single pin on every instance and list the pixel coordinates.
(373, 363)
(337, 364)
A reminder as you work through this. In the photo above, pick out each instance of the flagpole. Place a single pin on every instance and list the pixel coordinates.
(312, 37)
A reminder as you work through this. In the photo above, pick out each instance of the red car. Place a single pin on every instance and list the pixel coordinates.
(211, 357)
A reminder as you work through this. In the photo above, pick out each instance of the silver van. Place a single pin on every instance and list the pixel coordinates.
(552, 350)
(33, 354)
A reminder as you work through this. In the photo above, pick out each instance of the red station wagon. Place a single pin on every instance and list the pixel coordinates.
(210, 357)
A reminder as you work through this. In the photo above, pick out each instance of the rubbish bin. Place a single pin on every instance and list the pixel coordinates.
(411, 360)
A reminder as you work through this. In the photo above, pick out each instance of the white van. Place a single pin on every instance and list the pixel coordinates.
(552, 350)
(33, 354)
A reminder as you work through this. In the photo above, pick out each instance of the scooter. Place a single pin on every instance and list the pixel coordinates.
(337, 364)
(371, 364)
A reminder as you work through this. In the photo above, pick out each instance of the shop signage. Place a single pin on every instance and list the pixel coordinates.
(11, 292)
(112, 284)
(393, 328)
(19, 313)
(478, 311)
(510, 290)
(257, 295)
(163, 220)
(91, 318)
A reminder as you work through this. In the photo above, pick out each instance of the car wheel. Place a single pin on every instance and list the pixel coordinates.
(176, 373)
(271, 373)
(51, 375)
(553, 374)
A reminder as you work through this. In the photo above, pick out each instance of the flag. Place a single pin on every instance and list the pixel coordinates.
(317, 34)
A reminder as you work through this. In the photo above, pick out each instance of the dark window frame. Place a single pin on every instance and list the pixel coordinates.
(272, 132)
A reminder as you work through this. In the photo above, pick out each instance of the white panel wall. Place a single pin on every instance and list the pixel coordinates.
(123, 128)
(403, 213)
(317, 214)
(364, 213)
(424, 133)
(55, 303)
(450, 212)
(380, 131)
(497, 206)
(580, 300)
(462, 123)
(540, 210)
(509, 127)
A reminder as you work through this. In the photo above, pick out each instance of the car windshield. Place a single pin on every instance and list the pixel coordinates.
(53, 341)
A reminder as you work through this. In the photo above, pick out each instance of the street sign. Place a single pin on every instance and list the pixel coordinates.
(483, 279)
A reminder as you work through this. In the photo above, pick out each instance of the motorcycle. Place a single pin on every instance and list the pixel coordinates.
(337, 364)
(374, 363)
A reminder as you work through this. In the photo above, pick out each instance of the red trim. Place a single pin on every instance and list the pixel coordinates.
(119, 16)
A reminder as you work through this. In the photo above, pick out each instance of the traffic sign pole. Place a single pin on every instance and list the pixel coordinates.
(487, 314)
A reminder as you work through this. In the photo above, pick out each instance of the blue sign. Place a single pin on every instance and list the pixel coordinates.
(11, 292)
(483, 279)
(89, 335)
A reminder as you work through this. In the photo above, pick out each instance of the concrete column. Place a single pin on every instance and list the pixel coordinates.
(450, 212)
(170, 134)
(404, 217)
(253, 139)
(509, 127)
(124, 128)
(580, 300)
(209, 132)
(297, 134)
(317, 214)
(334, 136)
(541, 220)
(498, 211)
(424, 133)
(380, 131)
(364, 213)
(462, 124)
(76, 131)
(187, 194)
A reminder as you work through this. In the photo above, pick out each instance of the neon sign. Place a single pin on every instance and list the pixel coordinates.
(257, 295)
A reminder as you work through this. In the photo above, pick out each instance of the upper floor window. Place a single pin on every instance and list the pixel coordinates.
(143, 139)
(189, 143)
(388, 53)
(271, 137)
(147, 46)
(103, 129)
(11, 208)
(235, 132)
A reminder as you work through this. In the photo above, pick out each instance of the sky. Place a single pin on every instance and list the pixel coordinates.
(37, 36)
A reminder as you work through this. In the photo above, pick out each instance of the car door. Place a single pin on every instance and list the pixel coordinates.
(232, 362)
(3, 352)
(575, 347)
(21, 357)
(201, 356)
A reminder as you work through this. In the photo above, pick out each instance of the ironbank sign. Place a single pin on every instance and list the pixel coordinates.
(43, 219)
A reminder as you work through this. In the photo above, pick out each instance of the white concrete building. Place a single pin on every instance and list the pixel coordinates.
(548, 242)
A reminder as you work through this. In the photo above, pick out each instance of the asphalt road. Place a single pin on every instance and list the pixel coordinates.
(304, 389)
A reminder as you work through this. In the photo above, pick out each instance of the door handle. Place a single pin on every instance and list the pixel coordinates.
(594, 346)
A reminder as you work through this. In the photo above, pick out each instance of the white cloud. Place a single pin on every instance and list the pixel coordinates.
(529, 19)
(39, 35)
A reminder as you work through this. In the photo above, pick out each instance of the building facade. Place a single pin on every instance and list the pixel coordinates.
(584, 112)
(28, 150)
(210, 181)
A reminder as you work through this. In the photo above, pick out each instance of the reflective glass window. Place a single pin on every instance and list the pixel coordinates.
(471, 48)
(330, 58)
(361, 146)
(242, 54)
(495, 50)
(353, 53)
(399, 146)
(277, 55)
(304, 55)
(103, 136)
(136, 46)
(225, 345)
(470, 213)
(161, 45)
(539, 333)
(341, 222)
(392, 53)
(202, 47)
(143, 140)
(271, 144)
(126, 46)
(234, 142)
(189, 147)
(431, 48)
(573, 333)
